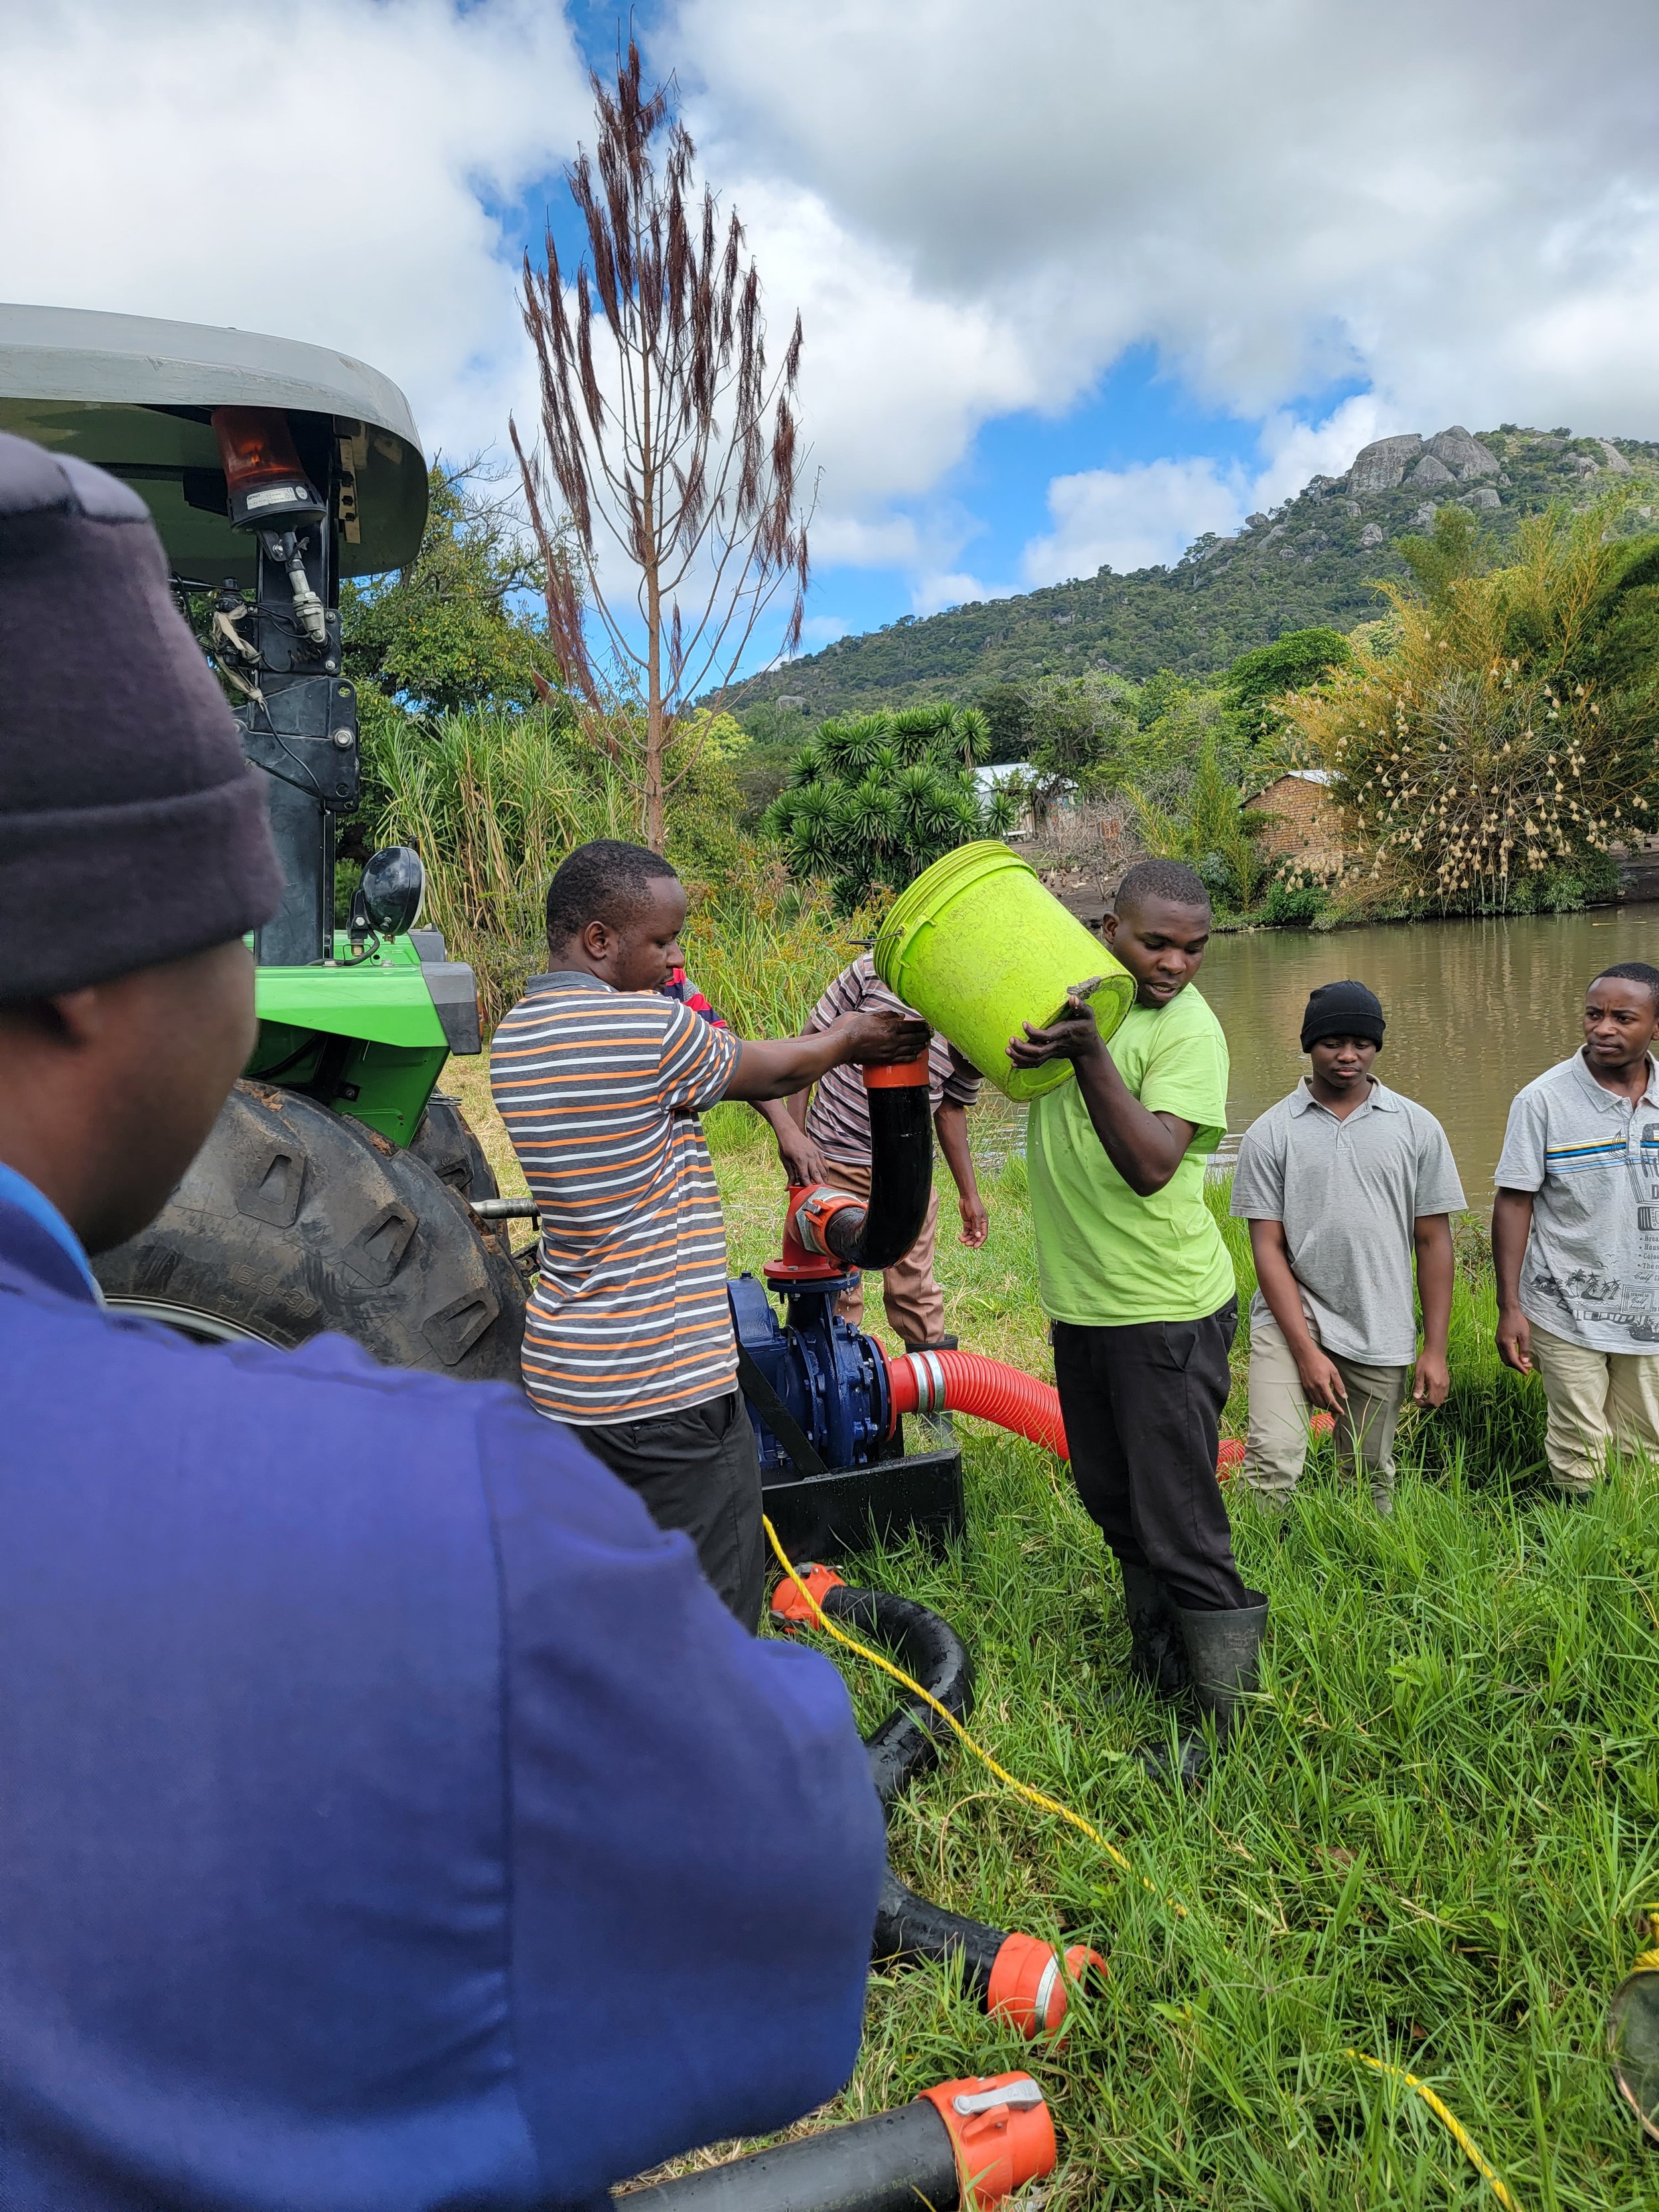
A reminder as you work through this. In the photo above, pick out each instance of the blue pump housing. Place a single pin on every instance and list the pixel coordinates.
(832, 1377)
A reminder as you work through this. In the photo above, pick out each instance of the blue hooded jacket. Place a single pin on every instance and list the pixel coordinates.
(391, 1816)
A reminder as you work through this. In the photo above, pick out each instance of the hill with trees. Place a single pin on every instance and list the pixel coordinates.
(1315, 561)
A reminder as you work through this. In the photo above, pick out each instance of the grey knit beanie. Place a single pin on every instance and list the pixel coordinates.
(131, 830)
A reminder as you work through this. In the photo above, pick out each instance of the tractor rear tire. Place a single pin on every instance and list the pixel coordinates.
(444, 1138)
(293, 1219)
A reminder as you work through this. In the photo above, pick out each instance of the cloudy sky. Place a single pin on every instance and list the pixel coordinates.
(1081, 278)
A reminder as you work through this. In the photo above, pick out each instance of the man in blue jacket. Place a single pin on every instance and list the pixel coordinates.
(391, 1817)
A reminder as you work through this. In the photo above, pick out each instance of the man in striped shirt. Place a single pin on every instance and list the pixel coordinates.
(600, 1081)
(838, 1124)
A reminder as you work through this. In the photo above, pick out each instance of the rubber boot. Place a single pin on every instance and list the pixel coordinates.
(1158, 1656)
(1222, 1652)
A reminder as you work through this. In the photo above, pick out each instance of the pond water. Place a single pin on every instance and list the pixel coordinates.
(1475, 1009)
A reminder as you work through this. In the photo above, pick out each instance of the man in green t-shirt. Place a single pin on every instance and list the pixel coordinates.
(1136, 1280)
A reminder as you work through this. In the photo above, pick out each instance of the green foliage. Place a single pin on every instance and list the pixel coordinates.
(1312, 563)
(445, 635)
(1293, 904)
(1428, 1840)
(1008, 721)
(1489, 758)
(1210, 828)
(494, 801)
(1084, 732)
(1456, 549)
(1258, 679)
(871, 800)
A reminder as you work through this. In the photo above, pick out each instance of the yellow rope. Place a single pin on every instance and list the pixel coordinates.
(1009, 1781)
(1442, 2112)
(1448, 2119)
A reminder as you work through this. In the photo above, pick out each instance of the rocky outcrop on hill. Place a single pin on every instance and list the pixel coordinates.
(1317, 557)
(1380, 466)
(1449, 457)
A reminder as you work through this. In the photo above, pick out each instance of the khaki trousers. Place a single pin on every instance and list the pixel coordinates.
(1597, 1401)
(915, 1302)
(1278, 1446)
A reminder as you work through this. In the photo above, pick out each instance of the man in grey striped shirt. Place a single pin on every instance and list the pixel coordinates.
(838, 1123)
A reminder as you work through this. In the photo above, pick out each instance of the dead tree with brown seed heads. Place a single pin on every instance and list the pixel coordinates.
(664, 437)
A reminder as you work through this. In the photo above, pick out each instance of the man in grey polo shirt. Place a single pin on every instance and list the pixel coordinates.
(1343, 1182)
(1575, 1233)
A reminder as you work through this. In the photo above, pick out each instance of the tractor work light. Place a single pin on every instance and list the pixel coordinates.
(268, 489)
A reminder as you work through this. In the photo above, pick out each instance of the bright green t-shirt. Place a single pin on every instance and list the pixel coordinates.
(1105, 1256)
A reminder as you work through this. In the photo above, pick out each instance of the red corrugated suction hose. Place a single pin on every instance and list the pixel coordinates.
(968, 1383)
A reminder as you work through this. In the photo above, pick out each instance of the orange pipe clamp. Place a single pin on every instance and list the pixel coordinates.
(1000, 2128)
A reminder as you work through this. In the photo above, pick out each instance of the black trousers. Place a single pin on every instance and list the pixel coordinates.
(697, 1470)
(1142, 1406)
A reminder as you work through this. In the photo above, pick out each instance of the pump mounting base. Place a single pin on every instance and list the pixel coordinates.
(828, 1517)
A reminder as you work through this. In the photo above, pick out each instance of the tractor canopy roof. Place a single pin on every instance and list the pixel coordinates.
(135, 395)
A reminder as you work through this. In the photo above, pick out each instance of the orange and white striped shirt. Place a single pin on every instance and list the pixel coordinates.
(600, 1091)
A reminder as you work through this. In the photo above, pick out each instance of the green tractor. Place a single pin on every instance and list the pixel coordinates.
(339, 1187)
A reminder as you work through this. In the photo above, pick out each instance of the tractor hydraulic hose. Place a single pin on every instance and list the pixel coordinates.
(967, 2144)
(968, 1382)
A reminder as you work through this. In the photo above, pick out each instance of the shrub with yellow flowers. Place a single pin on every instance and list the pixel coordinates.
(1504, 725)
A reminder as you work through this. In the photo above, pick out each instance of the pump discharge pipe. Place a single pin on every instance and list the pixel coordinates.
(966, 2144)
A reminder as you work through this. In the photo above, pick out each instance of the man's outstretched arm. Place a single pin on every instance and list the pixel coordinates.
(777, 1070)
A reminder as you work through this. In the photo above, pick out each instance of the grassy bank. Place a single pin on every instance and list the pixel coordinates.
(1429, 1843)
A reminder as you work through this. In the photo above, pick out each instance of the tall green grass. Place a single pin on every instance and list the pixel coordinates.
(492, 802)
(1428, 1842)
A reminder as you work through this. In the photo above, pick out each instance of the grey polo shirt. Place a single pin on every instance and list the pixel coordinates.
(1349, 1190)
(1591, 1160)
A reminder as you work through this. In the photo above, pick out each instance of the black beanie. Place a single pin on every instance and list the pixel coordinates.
(131, 830)
(1342, 1010)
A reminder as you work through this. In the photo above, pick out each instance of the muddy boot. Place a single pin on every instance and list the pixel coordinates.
(1158, 1657)
(1222, 1651)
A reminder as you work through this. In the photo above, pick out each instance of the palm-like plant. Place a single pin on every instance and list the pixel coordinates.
(873, 798)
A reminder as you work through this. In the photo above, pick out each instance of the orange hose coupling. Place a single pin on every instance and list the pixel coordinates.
(811, 1212)
(1000, 2130)
(898, 1074)
(790, 1609)
(1030, 1985)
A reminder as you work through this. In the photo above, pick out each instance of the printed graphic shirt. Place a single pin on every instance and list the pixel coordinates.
(684, 992)
(1108, 1258)
(1349, 1190)
(838, 1121)
(600, 1091)
(1591, 1269)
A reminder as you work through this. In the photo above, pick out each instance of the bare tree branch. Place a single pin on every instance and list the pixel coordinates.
(692, 469)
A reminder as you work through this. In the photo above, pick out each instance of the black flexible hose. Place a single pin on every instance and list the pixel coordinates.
(900, 1180)
(896, 2162)
(904, 1747)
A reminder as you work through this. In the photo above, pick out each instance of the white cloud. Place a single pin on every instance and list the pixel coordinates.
(1133, 518)
(1458, 208)
(978, 206)
(1146, 515)
(316, 168)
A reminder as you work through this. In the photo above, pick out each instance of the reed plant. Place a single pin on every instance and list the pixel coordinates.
(494, 801)
(1429, 1842)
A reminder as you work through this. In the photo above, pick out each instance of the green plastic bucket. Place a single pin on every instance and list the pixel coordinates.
(977, 946)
